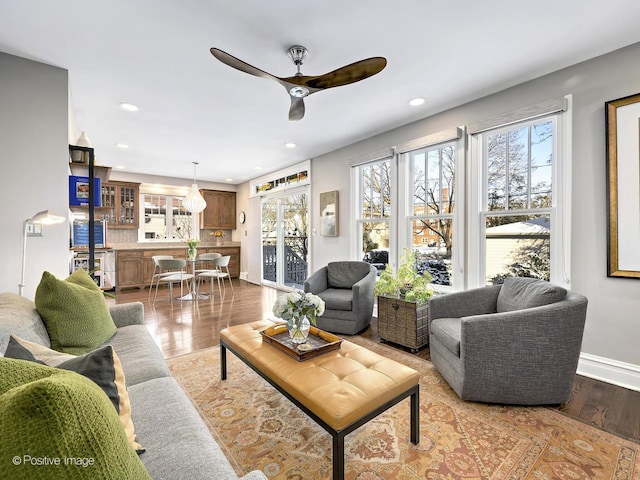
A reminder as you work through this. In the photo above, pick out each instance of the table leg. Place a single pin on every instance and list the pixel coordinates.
(338, 456)
(415, 416)
(223, 362)
(193, 292)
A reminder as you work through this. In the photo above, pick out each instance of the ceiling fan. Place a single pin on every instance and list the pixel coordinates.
(300, 86)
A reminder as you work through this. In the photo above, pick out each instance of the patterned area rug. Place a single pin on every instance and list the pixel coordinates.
(258, 428)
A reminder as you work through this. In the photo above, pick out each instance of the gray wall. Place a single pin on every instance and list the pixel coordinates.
(613, 324)
(34, 157)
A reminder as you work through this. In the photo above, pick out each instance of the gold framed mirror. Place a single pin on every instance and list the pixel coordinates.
(623, 186)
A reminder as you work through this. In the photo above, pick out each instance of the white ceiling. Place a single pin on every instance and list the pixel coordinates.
(155, 54)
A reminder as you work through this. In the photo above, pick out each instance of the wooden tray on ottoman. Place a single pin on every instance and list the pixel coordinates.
(320, 341)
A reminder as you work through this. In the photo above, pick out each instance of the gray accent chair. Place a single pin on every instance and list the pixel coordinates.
(516, 343)
(347, 290)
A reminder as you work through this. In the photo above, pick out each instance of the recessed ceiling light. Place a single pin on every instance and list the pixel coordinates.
(258, 168)
(129, 107)
(414, 102)
(290, 145)
(122, 145)
(228, 179)
(120, 167)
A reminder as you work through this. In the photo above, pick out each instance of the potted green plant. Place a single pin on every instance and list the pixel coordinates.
(402, 303)
(408, 284)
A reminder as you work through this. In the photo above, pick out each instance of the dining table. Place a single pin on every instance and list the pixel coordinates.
(193, 294)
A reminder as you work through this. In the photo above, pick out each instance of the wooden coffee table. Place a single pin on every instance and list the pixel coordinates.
(340, 390)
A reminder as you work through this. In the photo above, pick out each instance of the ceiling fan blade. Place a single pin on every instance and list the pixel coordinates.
(296, 112)
(238, 64)
(345, 75)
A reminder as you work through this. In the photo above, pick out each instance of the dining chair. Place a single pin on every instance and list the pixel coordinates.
(156, 270)
(220, 272)
(172, 271)
(206, 259)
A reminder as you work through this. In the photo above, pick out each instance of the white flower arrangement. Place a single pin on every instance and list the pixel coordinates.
(192, 243)
(297, 304)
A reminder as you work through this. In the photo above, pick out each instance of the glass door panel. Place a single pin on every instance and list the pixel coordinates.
(285, 240)
(269, 239)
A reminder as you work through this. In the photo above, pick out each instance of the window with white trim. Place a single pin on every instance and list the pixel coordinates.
(373, 211)
(431, 209)
(478, 207)
(165, 219)
(519, 231)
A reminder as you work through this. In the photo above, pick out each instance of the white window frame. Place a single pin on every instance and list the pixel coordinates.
(456, 138)
(169, 192)
(277, 195)
(356, 203)
(560, 210)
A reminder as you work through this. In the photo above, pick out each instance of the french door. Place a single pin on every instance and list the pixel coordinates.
(285, 220)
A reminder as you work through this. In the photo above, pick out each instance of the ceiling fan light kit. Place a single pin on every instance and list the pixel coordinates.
(297, 54)
(299, 85)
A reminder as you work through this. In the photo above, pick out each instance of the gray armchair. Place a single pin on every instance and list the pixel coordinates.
(516, 343)
(347, 290)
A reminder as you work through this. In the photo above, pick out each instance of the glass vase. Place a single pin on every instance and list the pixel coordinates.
(193, 253)
(300, 330)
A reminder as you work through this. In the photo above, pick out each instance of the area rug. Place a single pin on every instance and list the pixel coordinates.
(260, 429)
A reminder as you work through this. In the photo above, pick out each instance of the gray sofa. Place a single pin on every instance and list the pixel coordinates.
(516, 343)
(177, 441)
(346, 287)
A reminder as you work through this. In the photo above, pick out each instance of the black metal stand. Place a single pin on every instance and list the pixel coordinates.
(92, 196)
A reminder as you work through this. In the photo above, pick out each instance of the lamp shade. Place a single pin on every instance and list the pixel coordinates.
(47, 217)
(194, 202)
(83, 140)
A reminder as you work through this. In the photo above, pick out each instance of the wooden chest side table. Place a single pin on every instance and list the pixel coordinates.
(403, 322)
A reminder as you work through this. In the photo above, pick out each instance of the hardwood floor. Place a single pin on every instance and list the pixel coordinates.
(183, 327)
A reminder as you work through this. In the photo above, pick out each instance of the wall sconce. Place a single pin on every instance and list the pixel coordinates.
(46, 217)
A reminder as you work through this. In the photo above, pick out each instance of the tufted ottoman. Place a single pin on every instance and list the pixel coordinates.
(341, 390)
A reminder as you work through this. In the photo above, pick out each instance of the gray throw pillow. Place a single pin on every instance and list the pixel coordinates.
(520, 293)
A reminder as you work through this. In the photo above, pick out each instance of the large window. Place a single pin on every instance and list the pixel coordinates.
(165, 219)
(520, 231)
(518, 166)
(374, 211)
(431, 211)
(476, 207)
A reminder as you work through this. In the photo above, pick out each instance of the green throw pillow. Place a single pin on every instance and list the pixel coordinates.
(57, 424)
(101, 365)
(74, 312)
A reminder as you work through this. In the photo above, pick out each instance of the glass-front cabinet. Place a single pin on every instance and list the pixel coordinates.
(120, 204)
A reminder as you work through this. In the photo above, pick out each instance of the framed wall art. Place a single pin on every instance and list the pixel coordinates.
(329, 214)
(79, 191)
(623, 186)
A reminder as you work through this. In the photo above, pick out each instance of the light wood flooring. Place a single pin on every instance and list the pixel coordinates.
(184, 327)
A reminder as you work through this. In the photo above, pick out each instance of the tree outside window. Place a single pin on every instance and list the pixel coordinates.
(375, 209)
(519, 176)
(433, 204)
(165, 218)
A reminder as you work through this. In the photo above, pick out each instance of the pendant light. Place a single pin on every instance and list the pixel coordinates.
(194, 202)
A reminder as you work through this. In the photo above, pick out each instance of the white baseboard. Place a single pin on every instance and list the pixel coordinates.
(244, 275)
(623, 374)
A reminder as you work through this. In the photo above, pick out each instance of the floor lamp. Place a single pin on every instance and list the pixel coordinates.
(46, 217)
